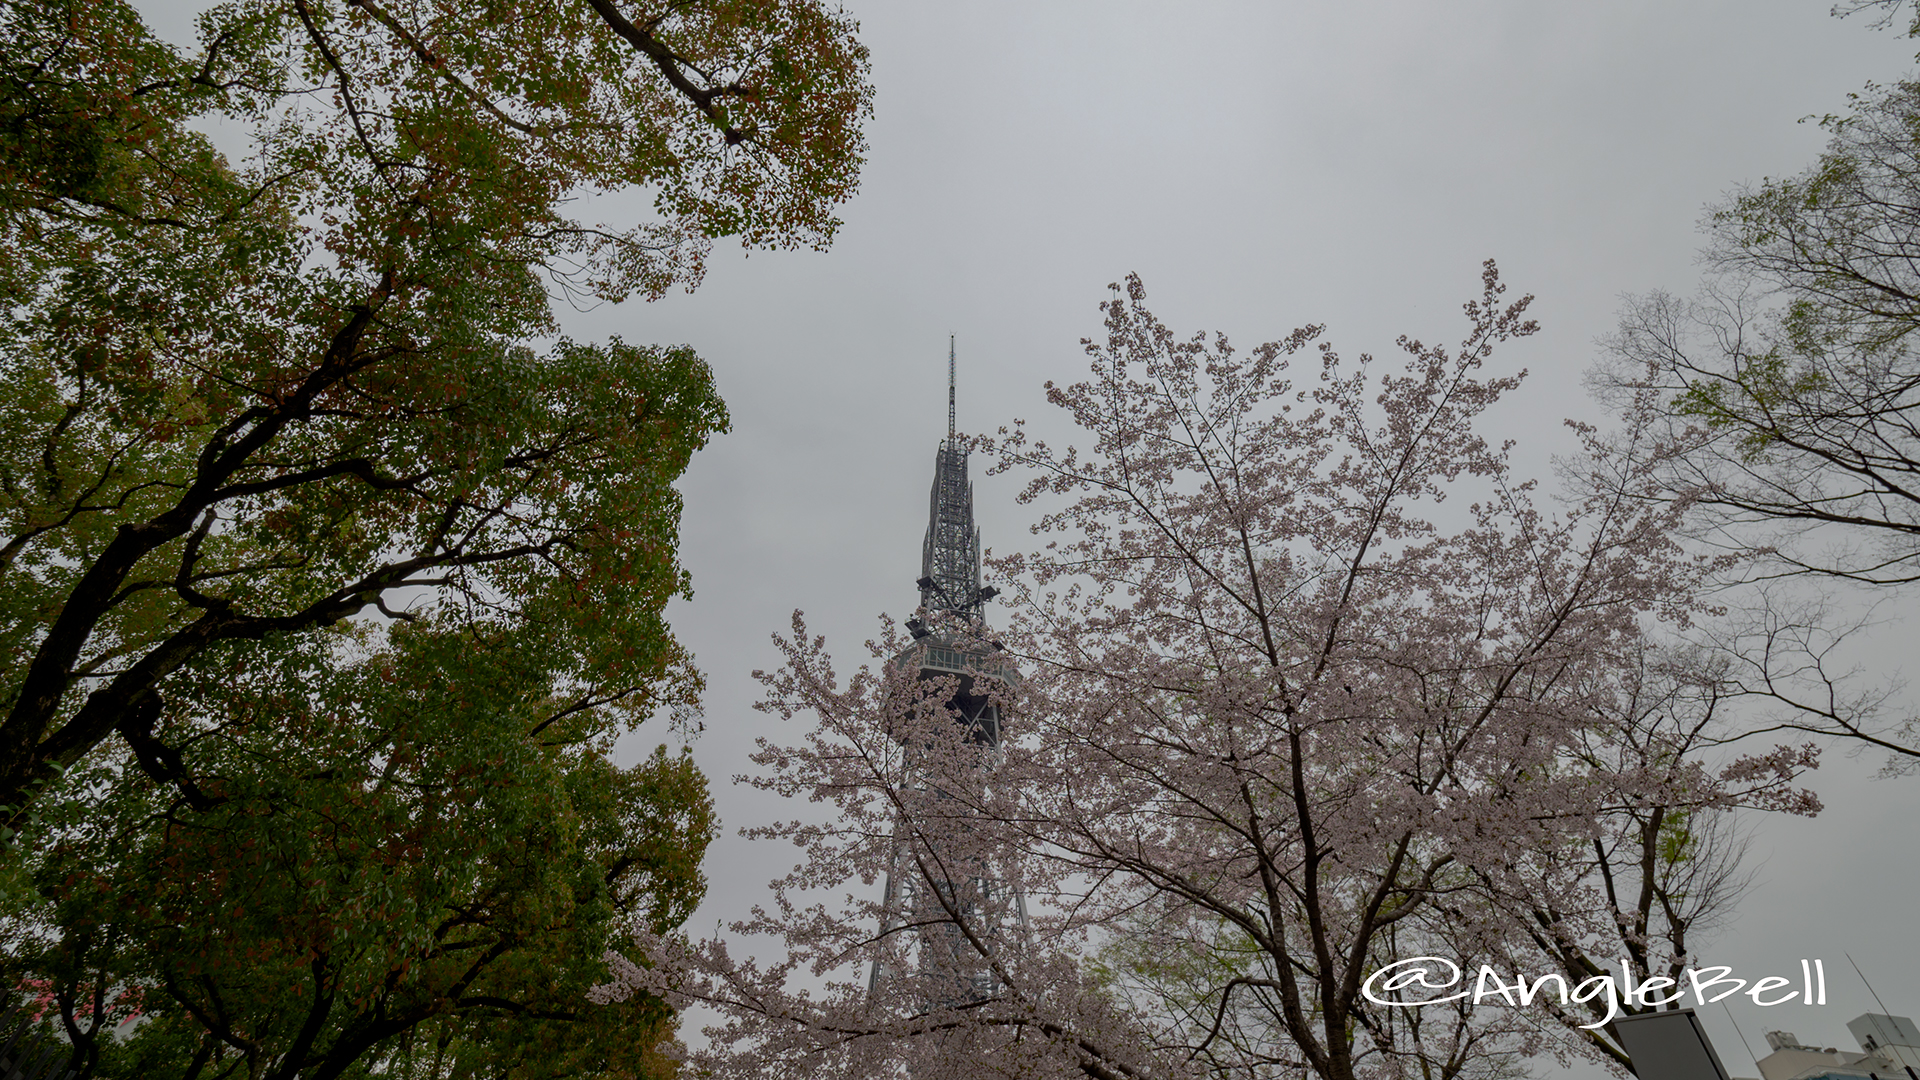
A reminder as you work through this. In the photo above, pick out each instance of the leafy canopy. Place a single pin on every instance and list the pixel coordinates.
(329, 570)
(368, 877)
(253, 398)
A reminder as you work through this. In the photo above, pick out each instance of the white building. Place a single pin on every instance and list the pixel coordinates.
(1889, 1050)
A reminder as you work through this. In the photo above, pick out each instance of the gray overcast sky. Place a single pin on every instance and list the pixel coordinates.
(1262, 165)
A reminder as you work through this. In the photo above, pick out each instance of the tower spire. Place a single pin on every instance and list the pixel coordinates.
(950, 558)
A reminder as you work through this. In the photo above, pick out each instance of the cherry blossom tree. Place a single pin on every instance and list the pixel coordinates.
(1284, 708)
(1662, 867)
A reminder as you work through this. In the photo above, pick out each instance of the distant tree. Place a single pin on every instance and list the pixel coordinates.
(1794, 385)
(1798, 360)
(1282, 715)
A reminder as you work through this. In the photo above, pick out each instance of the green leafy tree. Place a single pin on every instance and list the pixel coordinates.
(1795, 367)
(1793, 383)
(256, 398)
(329, 570)
(366, 879)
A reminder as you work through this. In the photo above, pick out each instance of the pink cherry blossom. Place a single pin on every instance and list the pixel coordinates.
(1287, 710)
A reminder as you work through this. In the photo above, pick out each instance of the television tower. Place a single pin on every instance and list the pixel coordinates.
(951, 970)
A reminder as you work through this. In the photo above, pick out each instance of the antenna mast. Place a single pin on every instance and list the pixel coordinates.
(949, 387)
(1863, 980)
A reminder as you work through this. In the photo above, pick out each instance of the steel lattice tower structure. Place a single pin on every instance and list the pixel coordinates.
(950, 585)
(950, 558)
